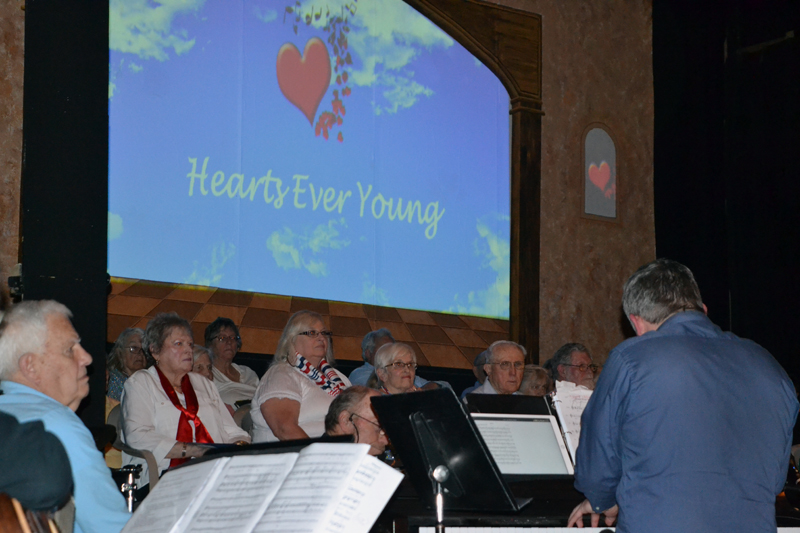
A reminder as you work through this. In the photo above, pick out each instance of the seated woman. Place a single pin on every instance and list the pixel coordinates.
(169, 410)
(125, 358)
(293, 397)
(395, 369)
(235, 383)
(536, 381)
(202, 365)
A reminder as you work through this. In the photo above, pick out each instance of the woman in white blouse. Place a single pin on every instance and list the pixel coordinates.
(235, 383)
(293, 397)
(169, 410)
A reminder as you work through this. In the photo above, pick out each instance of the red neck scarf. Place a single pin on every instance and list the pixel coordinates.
(188, 413)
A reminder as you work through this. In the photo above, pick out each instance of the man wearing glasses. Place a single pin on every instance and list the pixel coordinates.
(573, 363)
(351, 413)
(690, 427)
(504, 368)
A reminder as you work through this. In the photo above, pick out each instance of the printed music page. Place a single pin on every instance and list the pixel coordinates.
(241, 494)
(172, 497)
(329, 490)
(366, 495)
(570, 400)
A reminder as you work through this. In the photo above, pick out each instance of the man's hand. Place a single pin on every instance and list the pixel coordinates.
(576, 517)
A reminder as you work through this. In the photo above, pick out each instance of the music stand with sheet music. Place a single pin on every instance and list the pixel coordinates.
(432, 428)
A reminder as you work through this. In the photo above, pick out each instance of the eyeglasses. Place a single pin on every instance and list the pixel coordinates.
(229, 338)
(367, 420)
(399, 366)
(506, 365)
(133, 350)
(584, 367)
(312, 333)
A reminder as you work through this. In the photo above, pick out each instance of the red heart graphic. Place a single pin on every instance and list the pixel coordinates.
(600, 176)
(304, 80)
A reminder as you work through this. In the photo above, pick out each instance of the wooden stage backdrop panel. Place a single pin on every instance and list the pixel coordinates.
(440, 340)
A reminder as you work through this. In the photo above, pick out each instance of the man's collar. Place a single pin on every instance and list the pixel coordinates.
(12, 387)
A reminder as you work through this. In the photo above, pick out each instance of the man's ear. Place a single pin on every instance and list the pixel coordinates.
(559, 372)
(29, 366)
(705, 309)
(487, 369)
(344, 418)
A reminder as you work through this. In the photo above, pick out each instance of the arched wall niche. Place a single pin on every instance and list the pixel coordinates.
(508, 41)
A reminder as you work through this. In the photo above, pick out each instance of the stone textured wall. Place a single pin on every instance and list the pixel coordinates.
(596, 67)
(12, 49)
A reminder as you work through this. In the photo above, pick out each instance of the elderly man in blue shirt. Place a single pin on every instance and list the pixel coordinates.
(43, 373)
(689, 427)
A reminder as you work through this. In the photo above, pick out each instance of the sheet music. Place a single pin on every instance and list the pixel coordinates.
(242, 493)
(365, 497)
(173, 495)
(314, 485)
(570, 400)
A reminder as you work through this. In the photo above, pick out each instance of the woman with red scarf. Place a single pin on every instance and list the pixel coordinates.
(169, 410)
(293, 397)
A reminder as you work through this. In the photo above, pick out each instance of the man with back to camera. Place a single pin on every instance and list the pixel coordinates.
(504, 368)
(351, 413)
(573, 363)
(43, 373)
(689, 428)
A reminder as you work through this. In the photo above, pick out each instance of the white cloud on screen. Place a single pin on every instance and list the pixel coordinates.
(371, 294)
(387, 37)
(114, 226)
(294, 251)
(211, 274)
(495, 254)
(144, 28)
(265, 14)
(133, 67)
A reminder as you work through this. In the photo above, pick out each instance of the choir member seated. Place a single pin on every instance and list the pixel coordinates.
(293, 397)
(169, 410)
(201, 362)
(125, 358)
(351, 414)
(536, 381)
(395, 369)
(369, 346)
(235, 383)
(573, 363)
(477, 370)
(504, 368)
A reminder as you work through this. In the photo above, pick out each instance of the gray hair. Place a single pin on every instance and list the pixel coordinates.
(298, 322)
(660, 289)
(159, 328)
(490, 351)
(533, 374)
(385, 356)
(23, 329)
(563, 356)
(213, 329)
(371, 339)
(117, 353)
(198, 350)
(347, 400)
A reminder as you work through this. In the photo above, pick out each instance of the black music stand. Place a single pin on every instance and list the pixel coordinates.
(509, 404)
(429, 429)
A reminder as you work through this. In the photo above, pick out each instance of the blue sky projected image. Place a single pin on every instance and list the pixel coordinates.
(349, 151)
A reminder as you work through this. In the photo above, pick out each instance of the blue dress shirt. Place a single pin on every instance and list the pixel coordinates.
(99, 504)
(688, 429)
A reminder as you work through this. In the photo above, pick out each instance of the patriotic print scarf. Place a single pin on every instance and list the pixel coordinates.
(325, 378)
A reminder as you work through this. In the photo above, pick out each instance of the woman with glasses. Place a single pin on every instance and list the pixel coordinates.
(293, 397)
(168, 409)
(395, 369)
(235, 383)
(125, 358)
